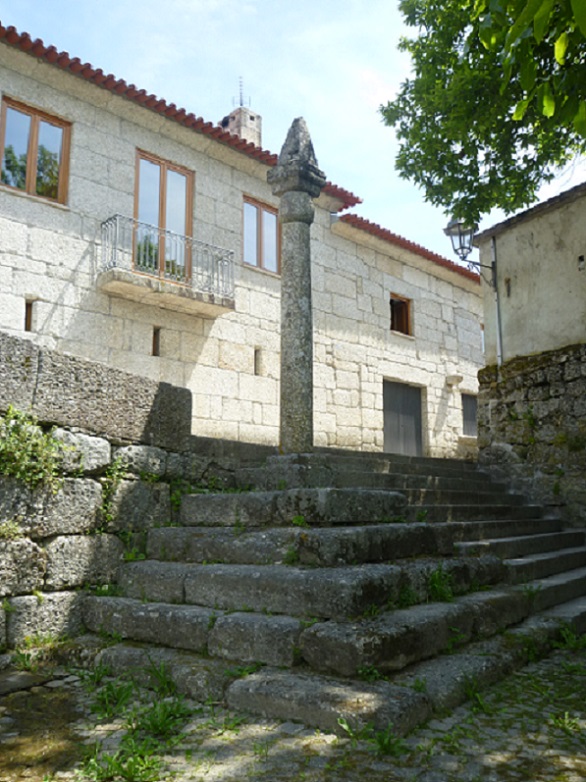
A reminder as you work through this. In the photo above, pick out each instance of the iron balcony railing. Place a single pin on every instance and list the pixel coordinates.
(146, 249)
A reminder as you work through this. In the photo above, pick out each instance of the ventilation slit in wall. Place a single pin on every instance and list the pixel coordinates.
(257, 361)
(28, 315)
(157, 341)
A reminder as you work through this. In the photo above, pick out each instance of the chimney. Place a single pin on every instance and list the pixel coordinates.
(244, 123)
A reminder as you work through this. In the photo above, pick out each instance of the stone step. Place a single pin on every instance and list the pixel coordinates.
(334, 546)
(337, 593)
(327, 507)
(534, 566)
(399, 638)
(387, 643)
(279, 508)
(471, 512)
(464, 497)
(554, 590)
(401, 482)
(316, 470)
(522, 545)
(406, 700)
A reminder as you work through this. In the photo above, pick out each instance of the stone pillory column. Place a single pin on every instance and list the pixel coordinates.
(296, 179)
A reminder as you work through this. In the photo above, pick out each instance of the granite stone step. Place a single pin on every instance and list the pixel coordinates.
(334, 546)
(279, 508)
(471, 512)
(399, 638)
(522, 545)
(535, 566)
(338, 592)
(405, 699)
(468, 496)
(400, 481)
(318, 470)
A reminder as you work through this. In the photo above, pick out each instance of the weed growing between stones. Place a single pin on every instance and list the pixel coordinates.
(531, 591)
(457, 638)
(291, 556)
(161, 679)
(10, 530)
(566, 722)
(479, 704)
(134, 554)
(570, 640)
(388, 743)
(407, 597)
(112, 698)
(439, 586)
(37, 650)
(369, 673)
(240, 671)
(29, 453)
(355, 734)
(420, 685)
(110, 482)
(103, 590)
(299, 521)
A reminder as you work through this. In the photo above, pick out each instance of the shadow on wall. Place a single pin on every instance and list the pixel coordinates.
(74, 392)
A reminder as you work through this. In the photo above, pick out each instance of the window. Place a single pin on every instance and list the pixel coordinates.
(163, 209)
(469, 407)
(400, 314)
(34, 150)
(261, 236)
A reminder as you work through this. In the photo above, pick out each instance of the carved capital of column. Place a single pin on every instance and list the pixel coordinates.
(297, 169)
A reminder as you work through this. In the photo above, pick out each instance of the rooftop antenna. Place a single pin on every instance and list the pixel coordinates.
(241, 92)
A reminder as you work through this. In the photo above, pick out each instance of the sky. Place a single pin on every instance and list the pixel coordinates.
(333, 62)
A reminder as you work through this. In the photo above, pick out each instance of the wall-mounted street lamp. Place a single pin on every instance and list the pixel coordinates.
(462, 236)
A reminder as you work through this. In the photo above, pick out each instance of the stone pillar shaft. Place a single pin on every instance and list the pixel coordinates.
(296, 179)
(296, 398)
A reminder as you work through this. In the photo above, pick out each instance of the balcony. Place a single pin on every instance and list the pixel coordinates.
(145, 264)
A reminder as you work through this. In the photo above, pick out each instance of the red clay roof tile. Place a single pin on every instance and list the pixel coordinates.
(50, 54)
(388, 236)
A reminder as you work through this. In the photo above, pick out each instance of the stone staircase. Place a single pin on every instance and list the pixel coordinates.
(374, 588)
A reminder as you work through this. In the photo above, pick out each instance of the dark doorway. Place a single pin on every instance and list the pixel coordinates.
(402, 419)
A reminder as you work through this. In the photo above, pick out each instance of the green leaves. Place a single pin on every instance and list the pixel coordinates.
(560, 48)
(579, 11)
(497, 100)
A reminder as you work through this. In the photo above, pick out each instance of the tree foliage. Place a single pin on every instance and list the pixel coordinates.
(496, 103)
(14, 171)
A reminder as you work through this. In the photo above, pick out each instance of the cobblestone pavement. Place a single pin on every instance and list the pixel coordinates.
(529, 728)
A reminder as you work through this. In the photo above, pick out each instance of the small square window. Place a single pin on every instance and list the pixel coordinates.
(400, 314)
(469, 411)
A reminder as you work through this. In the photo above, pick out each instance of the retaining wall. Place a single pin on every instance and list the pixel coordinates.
(532, 427)
(126, 457)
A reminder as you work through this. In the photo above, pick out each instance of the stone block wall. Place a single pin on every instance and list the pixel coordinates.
(532, 427)
(56, 547)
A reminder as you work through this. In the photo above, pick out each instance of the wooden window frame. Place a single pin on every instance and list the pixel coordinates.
(38, 115)
(261, 207)
(401, 320)
(167, 165)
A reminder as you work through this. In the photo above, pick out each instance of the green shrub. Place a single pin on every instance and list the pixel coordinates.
(27, 452)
